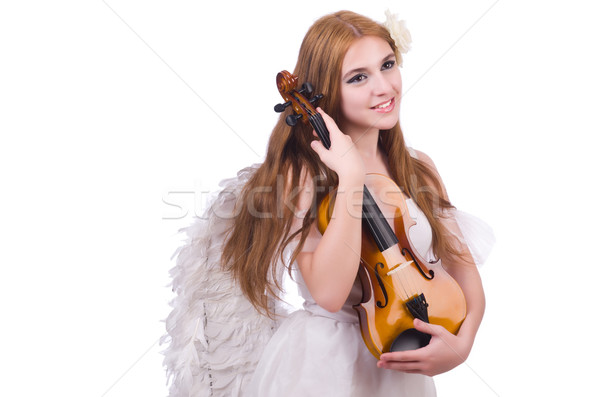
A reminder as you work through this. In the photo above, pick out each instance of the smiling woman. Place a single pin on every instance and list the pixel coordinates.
(227, 340)
(502, 95)
(371, 87)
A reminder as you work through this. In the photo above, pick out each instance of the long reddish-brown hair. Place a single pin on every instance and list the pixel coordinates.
(262, 229)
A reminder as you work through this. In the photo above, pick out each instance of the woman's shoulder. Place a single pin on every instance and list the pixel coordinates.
(419, 155)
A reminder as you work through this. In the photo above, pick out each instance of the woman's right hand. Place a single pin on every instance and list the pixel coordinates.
(342, 157)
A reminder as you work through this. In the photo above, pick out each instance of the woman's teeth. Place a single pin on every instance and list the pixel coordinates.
(384, 105)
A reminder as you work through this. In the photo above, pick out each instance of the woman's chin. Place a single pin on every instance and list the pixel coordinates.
(388, 124)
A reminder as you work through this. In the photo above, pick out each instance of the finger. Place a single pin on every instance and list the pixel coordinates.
(329, 122)
(428, 328)
(411, 367)
(318, 147)
(407, 356)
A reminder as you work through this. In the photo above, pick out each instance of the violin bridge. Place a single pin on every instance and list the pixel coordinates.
(399, 267)
(394, 255)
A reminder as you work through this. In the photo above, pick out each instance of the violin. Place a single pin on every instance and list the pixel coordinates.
(398, 285)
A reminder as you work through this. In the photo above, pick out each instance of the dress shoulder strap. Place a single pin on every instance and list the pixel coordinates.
(412, 152)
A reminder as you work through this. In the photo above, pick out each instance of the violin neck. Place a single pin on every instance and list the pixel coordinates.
(376, 222)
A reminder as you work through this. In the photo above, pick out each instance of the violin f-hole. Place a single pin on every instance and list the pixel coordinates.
(429, 275)
(381, 285)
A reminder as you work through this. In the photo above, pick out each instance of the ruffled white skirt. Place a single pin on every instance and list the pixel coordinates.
(314, 355)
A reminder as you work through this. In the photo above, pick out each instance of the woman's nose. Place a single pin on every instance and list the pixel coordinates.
(381, 84)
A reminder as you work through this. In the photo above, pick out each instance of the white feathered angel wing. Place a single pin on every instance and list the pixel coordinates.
(215, 336)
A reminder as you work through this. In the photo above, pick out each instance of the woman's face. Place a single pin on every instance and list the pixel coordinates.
(371, 87)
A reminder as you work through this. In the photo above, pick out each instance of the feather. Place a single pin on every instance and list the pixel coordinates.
(215, 336)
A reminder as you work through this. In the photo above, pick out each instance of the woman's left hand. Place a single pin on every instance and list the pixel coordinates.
(444, 352)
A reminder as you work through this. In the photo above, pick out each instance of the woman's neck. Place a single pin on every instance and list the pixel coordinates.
(367, 144)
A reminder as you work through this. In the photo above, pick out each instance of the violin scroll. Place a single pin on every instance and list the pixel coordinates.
(286, 82)
(303, 108)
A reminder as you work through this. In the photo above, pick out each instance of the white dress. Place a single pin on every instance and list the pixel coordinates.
(218, 345)
(318, 353)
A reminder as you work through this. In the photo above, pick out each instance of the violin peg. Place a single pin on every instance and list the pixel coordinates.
(292, 119)
(280, 107)
(307, 88)
(314, 99)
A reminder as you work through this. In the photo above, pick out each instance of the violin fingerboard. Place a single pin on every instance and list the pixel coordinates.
(317, 122)
(380, 229)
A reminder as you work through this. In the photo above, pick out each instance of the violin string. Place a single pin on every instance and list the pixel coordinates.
(399, 279)
(392, 287)
(389, 285)
(410, 277)
(407, 278)
(416, 290)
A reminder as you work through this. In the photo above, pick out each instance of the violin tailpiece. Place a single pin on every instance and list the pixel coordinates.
(418, 307)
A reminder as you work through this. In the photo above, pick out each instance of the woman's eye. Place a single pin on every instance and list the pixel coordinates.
(388, 65)
(358, 78)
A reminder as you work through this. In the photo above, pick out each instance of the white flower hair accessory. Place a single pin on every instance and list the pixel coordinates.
(399, 33)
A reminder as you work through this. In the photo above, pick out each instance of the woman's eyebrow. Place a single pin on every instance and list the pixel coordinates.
(364, 69)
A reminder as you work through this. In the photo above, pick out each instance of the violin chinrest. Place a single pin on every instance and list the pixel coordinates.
(411, 339)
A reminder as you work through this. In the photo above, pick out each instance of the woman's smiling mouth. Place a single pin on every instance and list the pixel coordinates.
(385, 107)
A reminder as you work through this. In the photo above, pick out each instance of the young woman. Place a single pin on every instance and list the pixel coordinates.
(319, 350)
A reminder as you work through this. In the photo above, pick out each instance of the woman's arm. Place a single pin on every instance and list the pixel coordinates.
(445, 350)
(464, 271)
(330, 271)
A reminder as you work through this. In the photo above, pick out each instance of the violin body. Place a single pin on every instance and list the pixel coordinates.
(396, 279)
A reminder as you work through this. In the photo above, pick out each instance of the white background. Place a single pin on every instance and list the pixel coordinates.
(116, 116)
